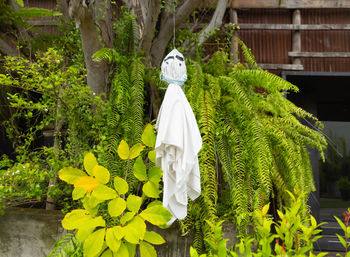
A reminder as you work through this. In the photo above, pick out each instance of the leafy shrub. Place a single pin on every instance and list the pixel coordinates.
(112, 220)
(294, 236)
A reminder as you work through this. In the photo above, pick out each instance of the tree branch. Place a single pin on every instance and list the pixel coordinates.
(215, 21)
(6, 49)
(150, 25)
(166, 31)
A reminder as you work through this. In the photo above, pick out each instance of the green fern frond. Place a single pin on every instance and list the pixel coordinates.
(248, 56)
(67, 246)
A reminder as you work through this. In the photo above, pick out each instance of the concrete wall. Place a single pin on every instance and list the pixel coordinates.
(29, 232)
(33, 232)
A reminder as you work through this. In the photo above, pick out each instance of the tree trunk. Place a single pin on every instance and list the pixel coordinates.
(94, 19)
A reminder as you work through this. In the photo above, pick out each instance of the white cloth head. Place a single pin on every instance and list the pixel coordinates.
(174, 68)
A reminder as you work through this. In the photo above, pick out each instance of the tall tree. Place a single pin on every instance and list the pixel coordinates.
(155, 24)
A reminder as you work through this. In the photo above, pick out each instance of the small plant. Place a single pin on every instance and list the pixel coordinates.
(346, 230)
(294, 235)
(112, 220)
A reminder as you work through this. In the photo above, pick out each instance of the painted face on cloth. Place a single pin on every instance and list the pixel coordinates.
(174, 68)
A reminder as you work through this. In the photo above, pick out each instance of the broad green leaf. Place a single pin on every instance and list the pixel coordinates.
(148, 136)
(120, 185)
(82, 234)
(116, 207)
(89, 163)
(131, 248)
(153, 238)
(126, 217)
(193, 252)
(147, 250)
(107, 253)
(133, 203)
(103, 192)
(119, 232)
(342, 240)
(151, 189)
(265, 209)
(341, 224)
(123, 251)
(136, 150)
(101, 174)
(78, 192)
(88, 183)
(75, 218)
(152, 156)
(93, 223)
(123, 150)
(93, 201)
(88, 206)
(154, 203)
(135, 230)
(155, 174)
(139, 169)
(112, 242)
(70, 174)
(93, 243)
(157, 215)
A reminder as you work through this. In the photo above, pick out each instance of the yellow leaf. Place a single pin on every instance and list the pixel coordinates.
(101, 174)
(148, 136)
(116, 207)
(121, 185)
(152, 156)
(89, 163)
(153, 238)
(147, 250)
(70, 174)
(75, 219)
(88, 183)
(103, 192)
(123, 150)
(112, 242)
(78, 192)
(123, 251)
(119, 232)
(136, 150)
(94, 243)
(135, 230)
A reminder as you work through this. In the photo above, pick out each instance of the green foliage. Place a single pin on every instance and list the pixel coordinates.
(112, 220)
(31, 13)
(67, 246)
(294, 236)
(346, 229)
(253, 134)
(45, 95)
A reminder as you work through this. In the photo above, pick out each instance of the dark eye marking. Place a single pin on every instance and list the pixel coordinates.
(179, 58)
(170, 57)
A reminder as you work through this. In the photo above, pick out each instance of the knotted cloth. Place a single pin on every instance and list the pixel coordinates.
(178, 143)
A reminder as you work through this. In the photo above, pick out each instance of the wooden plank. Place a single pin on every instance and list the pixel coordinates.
(320, 54)
(291, 4)
(296, 36)
(270, 66)
(294, 26)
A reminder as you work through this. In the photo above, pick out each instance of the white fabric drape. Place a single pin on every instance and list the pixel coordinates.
(177, 146)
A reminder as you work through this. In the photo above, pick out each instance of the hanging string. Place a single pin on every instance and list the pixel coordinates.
(174, 23)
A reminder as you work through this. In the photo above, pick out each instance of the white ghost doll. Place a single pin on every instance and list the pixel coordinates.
(178, 140)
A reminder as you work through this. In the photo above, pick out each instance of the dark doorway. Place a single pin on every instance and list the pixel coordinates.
(327, 96)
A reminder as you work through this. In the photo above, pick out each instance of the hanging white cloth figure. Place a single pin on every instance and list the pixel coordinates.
(178, 140)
